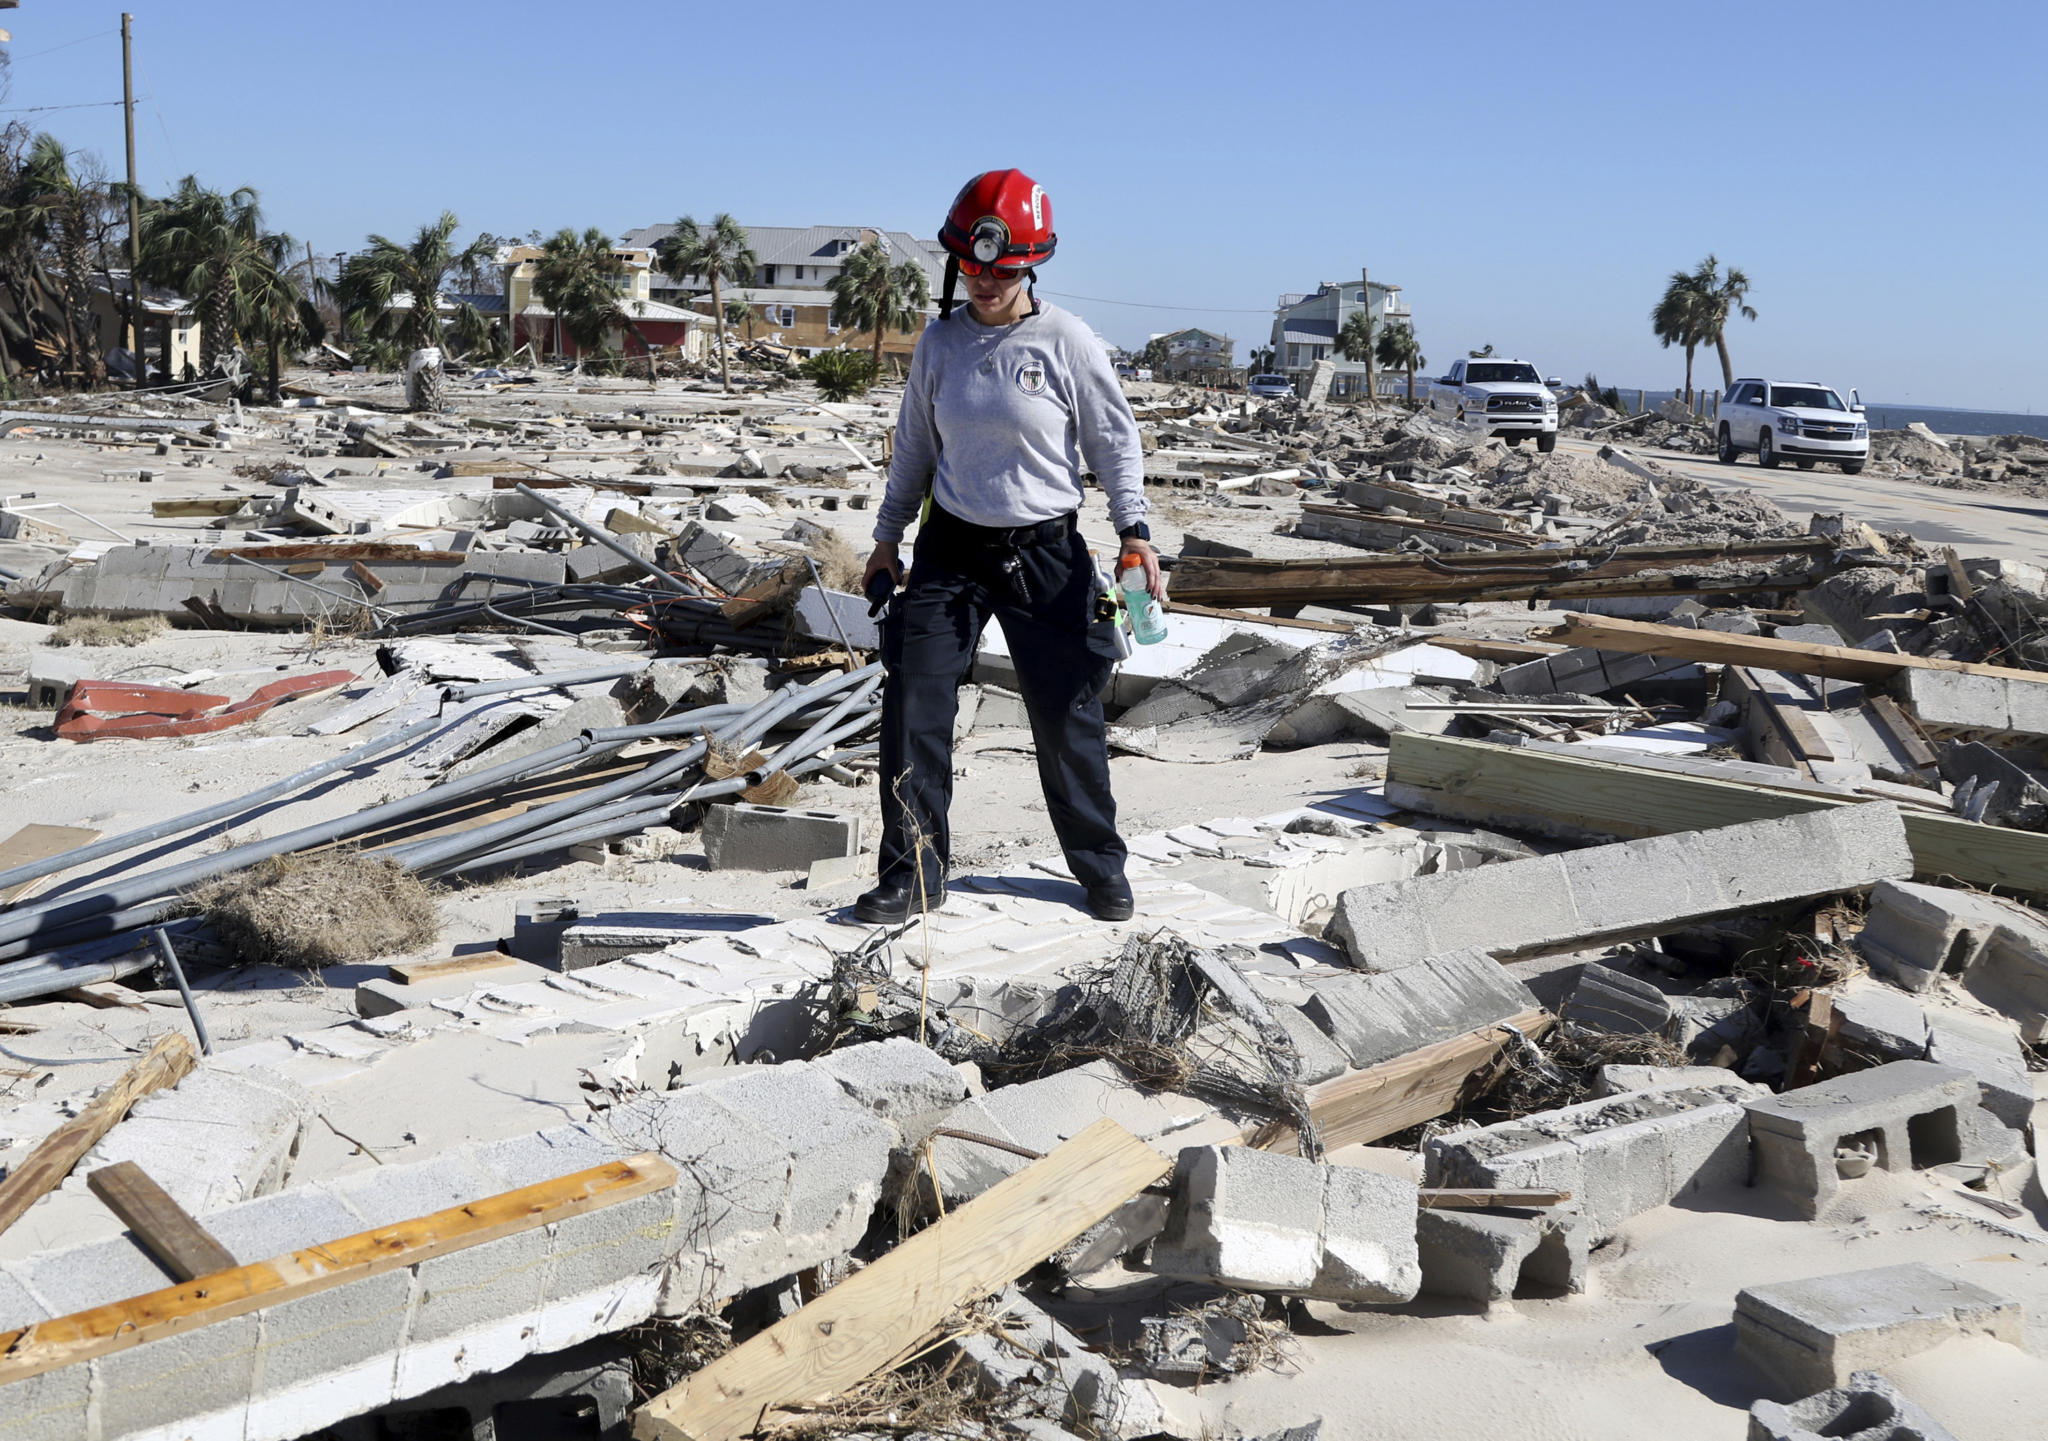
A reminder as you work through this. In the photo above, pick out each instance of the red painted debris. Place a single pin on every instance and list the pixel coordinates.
(99, 710)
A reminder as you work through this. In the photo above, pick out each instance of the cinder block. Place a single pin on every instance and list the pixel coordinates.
(1902, 1116)
(595, 943)
(1914, 933)
(1621, 891)
(1262, 1221)
(518, 1161)
(1620, 1080)
(169, 1380)
(1957, 700)
(1812, 1335)
(386, 1195)
(51, 1404)
(1869, 1408)
(1621, 1004)
(353, 1331)
(746, 837)
(1618, 1157)
(2011, 976)
(52, 674)
(216, 1137)
(1375, 1018)
(1489, 1255)
(280, 1223)
(95, 1274)
(613, 1259)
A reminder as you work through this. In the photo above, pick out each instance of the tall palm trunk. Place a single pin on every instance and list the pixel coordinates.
(875, 355)
(1688, 374)
(275, 387)
(216, 321)
(1727, 365)
(1411, 382)
(718, 315)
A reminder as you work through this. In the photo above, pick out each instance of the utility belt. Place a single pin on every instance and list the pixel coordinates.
(990, 553)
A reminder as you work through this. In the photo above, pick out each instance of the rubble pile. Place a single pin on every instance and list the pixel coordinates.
(1587, 895)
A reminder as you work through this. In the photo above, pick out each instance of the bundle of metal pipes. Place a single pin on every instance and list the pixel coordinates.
(80, 934)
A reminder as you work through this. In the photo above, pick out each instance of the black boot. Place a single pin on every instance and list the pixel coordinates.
(887, 904)
(1111, 900)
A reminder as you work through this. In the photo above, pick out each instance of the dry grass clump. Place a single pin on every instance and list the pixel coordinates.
(325, 909)
(838, 563)
(105, 630)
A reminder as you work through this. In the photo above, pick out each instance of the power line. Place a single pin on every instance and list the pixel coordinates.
(38, 109)
(97, 35)
(1145, 305)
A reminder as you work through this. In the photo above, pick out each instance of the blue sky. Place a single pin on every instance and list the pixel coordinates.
(1530, 174)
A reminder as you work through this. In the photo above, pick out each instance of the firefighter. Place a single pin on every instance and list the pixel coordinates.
(1009, 403)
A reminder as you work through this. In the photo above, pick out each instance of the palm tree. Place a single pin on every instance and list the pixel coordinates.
(274, 307)
(1725, 296)
(36, 311)
(1397, 349)
(373, 278)
(719, 252)
(1480, 354)
(738, 312)
(209, 247)
(1354, 343)
(1680, 318)
(1259, 361)
(60, 203)
(871, 294)
(577, 277)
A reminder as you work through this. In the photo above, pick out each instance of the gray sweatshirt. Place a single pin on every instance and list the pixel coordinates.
(1000, 422)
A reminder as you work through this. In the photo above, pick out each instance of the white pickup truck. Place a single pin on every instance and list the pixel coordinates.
(1507, 398)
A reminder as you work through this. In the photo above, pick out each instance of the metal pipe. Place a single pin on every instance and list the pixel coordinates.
(193, 820)
(854, 697)
(163, 947)
(50, 971)
(545, 682)
(600, 536)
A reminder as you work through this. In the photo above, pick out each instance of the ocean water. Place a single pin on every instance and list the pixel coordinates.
(1939, 419)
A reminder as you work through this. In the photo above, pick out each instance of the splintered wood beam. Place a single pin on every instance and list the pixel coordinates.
(220, 1295)
(1362, 1106)
(1493, 575)
(49, 1163)
(1838, 662)
(869, 1321)
(164, 1227)
(412, 973)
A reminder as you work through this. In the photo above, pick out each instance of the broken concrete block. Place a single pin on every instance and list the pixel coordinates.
(2020, 799)
(1616, 1080)
(746, 837)
(1868, 1408)
(52, 675)
(1995, 705)
(736, 507)
(2011, 976)
(1620, 1004)
(1880, 1022)
(217, 1137)
(1034, 1365)
(1622, 891)
(1812, 1335)
(832, 617)
(1906, 1115)
(537, 927)
(1375, 1018)
(1260, 1221)
(897, 1079)
(1195, 1344)
(1618, 1157)
(668, 685)
(1914, 933)
(1489, 1255)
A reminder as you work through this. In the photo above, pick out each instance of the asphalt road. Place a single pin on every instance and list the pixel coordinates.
(1976, 522)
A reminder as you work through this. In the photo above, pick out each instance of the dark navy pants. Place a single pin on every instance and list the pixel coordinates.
(1063, 657)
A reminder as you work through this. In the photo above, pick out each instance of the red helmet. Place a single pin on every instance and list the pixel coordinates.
(1000, 217)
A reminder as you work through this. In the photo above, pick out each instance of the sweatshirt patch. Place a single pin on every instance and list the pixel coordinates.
(1031, 377)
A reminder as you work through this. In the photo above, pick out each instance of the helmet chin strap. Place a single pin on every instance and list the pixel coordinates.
(952, 279)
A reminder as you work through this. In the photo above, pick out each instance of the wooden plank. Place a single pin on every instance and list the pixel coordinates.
(365, 577)
(551, 482)
(1450, 1198)
(1499, 539)
(1603, 798)
(1838, 662)
(164, 1227)
(1362, 1106)
(1487, 575)
(412, 973)
(38, 843)
(1779, 732)
(102, 995)
(339, 552)
(1177, 607)
(49, 1163)
(198, 505)
(869, 1320)
(1509, 652)
(222, 1295)
(1888, 717)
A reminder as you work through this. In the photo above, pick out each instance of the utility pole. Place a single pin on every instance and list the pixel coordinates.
(134, 206)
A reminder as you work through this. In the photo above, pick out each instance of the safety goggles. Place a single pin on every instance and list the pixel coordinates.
(1000, 272)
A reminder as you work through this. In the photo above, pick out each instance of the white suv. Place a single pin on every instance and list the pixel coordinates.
(1802, 419)
(1507, 398)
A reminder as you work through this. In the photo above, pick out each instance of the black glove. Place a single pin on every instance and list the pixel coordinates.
(881, 589)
